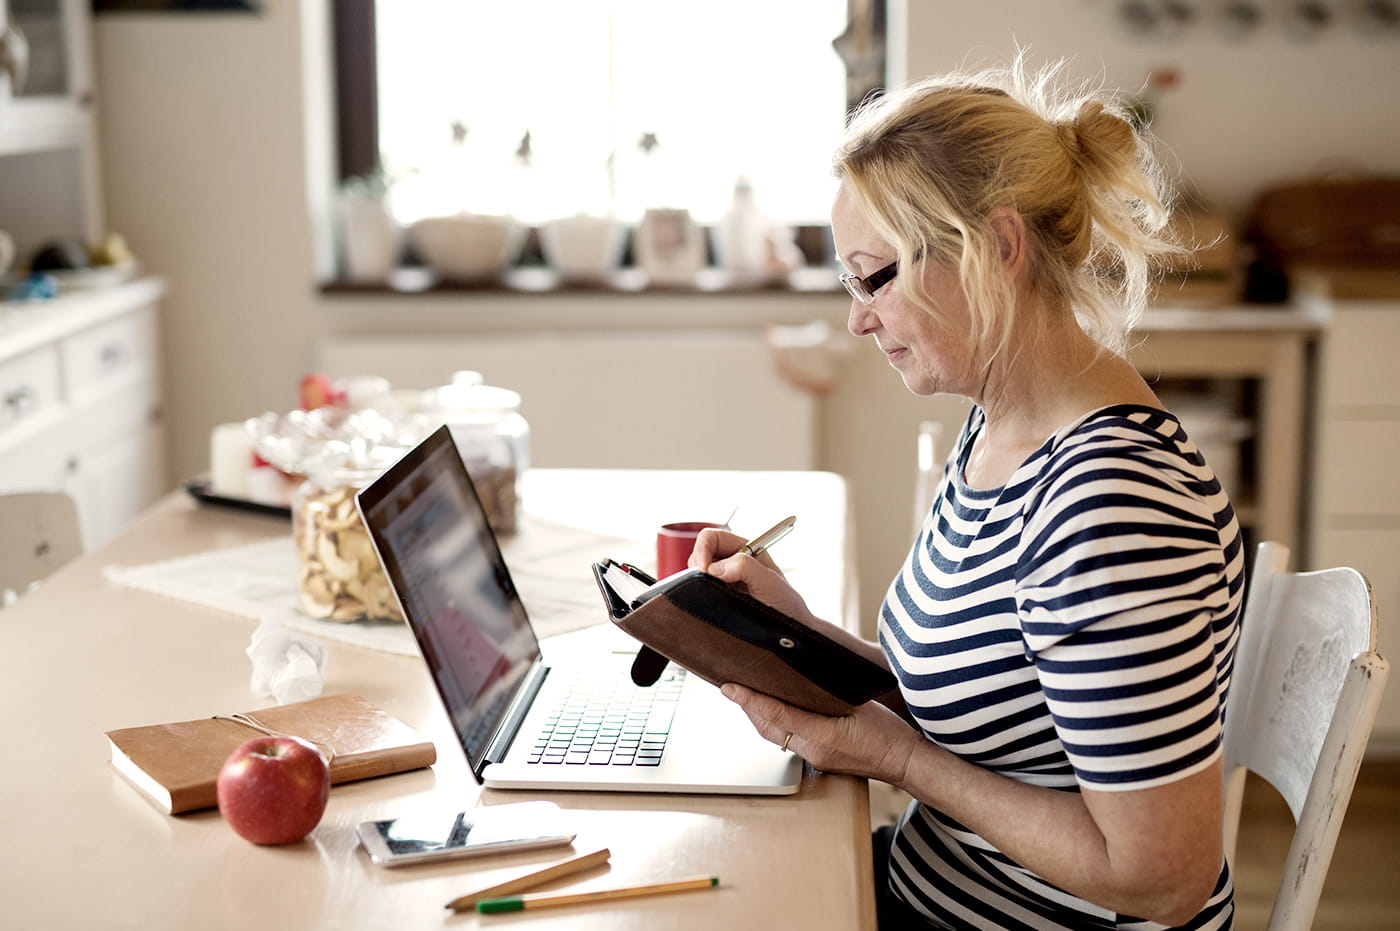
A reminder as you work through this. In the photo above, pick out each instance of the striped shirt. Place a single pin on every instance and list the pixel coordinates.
(1073, 628)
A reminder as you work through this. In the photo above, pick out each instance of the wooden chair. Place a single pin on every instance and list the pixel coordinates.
(38, 534)
(1306, 686)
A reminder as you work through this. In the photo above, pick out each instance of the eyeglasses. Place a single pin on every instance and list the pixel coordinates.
(863, 289)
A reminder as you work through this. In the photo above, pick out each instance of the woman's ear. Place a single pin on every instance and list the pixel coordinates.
(1010, 231)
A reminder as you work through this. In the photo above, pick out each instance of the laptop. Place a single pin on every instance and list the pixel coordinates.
(524, 723)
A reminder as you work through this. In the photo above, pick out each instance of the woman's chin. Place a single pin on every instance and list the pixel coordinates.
(919, 384)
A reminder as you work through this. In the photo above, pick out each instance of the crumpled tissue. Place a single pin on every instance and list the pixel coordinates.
(286, 667)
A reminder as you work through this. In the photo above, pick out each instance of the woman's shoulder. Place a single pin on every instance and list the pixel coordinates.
(1121, 448)
(1119, 430)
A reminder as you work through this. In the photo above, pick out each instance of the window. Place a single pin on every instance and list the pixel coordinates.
(626, 103)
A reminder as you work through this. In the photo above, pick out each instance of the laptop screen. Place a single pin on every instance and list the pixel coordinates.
(445, 565)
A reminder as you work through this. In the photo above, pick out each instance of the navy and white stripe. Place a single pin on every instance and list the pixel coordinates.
(1074, 628)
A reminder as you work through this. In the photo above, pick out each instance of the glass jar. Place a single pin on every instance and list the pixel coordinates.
(494, 440)
(340, 576)
(335, 451)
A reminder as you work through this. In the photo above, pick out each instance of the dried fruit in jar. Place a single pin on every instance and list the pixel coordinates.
(341, 579)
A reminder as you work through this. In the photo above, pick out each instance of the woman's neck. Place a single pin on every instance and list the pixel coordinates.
(1038, 389)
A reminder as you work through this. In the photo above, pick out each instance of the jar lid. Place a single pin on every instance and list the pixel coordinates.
(466, 399)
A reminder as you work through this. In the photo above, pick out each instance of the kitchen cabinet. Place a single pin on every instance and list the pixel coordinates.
(80, 402)
(1356, 501)
(49, 165)
(80, 407)
(47, 86)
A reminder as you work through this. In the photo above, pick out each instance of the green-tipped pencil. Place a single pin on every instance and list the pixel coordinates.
(553, 900)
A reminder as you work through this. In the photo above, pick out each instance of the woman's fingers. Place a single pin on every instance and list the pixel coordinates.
(774, 720)
(872, 741)
(713, 544)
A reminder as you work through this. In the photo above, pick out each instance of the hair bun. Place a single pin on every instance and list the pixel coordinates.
(1102, 141)
(1068, 131)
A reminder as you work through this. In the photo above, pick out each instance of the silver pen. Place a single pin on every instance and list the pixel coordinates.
(768, 537)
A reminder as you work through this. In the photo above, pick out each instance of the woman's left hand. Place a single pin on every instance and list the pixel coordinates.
(872, 741)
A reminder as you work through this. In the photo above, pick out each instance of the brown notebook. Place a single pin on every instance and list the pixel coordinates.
(177, 765)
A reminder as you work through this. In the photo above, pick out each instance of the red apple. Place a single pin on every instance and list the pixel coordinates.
(273, 790)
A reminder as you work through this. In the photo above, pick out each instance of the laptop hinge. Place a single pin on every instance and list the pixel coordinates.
(515, 715)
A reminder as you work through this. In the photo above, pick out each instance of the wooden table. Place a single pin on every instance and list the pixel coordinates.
(82, 655)
(1270, 346)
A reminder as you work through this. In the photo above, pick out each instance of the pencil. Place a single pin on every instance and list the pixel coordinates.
(569, 867)
(551, 900)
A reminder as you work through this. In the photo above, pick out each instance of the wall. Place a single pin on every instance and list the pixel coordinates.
(625, 400)
(1246, 113)
(213, 131)
(203, 131)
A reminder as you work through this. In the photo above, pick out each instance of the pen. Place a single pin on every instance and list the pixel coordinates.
(551, 900)
(567, 867)
(768, 537)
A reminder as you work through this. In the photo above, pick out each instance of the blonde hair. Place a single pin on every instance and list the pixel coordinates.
(930, 163)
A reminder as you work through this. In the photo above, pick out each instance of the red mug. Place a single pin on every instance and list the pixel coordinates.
(674, 543)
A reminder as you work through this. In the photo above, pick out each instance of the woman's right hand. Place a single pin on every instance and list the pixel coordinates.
(717, 552)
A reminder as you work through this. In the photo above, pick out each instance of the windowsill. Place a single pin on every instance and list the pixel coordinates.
(406, 282)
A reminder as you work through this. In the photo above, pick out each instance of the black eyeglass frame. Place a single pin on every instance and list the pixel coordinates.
(863, 289)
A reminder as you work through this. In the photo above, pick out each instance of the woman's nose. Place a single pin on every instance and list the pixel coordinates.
(862, 318)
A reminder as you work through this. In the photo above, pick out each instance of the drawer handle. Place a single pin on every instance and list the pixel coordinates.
(19, 401)
(112, 355)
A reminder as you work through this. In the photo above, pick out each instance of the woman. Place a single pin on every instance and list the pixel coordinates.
(1063, 630)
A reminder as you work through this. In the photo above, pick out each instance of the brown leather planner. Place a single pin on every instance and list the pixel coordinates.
(177, 765)
(723, 635)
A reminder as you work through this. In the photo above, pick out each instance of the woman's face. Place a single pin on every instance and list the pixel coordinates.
(928, 349)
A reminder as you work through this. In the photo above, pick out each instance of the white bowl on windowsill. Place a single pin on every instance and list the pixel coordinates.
(583, 248)
(467, 246)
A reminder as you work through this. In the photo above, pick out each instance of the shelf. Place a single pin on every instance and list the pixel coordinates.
(40, 137)
(626, 281)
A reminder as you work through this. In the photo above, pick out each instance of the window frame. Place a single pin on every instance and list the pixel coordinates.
(356, 89)
(861, 47)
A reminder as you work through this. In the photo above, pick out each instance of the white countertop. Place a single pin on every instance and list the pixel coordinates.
(27, 324)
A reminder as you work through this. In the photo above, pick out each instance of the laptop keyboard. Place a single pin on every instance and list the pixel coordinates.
(609, 721)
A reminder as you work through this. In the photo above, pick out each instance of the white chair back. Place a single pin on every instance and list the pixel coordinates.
(38, 534)
(1306, 687)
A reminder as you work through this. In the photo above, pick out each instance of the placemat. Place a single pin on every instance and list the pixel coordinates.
(549, 563)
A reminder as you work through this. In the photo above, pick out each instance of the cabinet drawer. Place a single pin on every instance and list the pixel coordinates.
(110, 354)
(1361, 351)
(29, 388)
(1357, 473)
(118, 414)
(46, 461)
(119, 481)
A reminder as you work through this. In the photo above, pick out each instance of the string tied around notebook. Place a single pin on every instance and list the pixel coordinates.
(247, 720)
